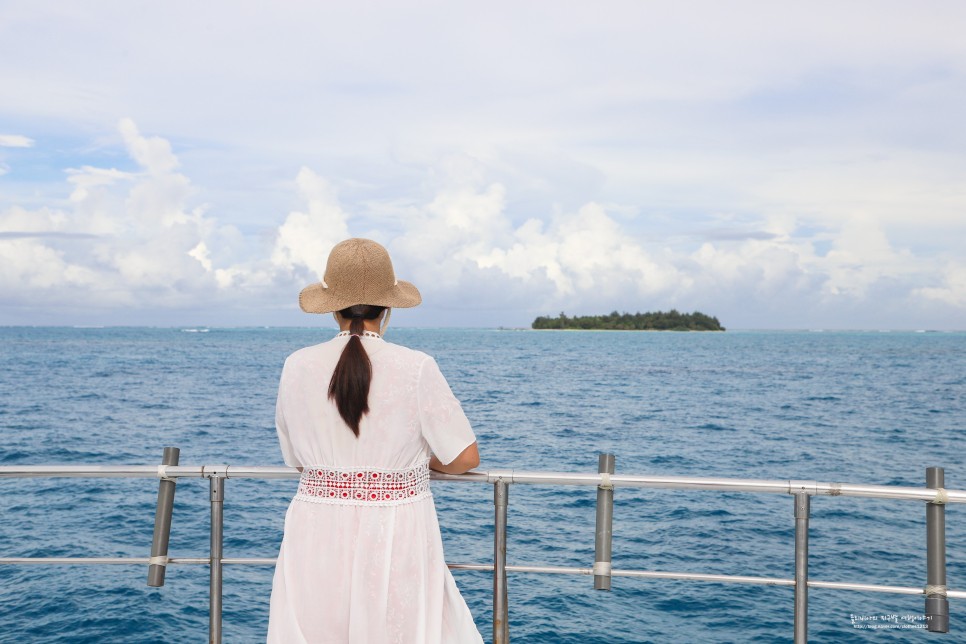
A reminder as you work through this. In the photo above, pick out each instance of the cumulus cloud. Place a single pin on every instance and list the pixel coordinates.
(127, 237)
(588, 260)
(31, 266)
(953, 289)
(15, 141)
(758, 269)
(136, 239)
(464, 235)
(581, 253)
(304, 239)
(862, 255)
(444, 238)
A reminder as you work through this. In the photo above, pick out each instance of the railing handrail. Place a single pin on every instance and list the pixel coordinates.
(768, 486)
(934, 495)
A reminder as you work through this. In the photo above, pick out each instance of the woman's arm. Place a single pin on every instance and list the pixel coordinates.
(467, 460)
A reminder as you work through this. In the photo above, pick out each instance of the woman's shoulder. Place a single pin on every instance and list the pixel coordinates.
(312, 353)
(405, 354)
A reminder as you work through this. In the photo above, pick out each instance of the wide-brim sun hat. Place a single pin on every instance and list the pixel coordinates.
(358, 271)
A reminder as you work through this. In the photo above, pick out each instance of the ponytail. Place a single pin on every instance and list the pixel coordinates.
(349, 387)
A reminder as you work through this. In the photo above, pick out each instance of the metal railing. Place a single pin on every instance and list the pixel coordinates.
(934, 495)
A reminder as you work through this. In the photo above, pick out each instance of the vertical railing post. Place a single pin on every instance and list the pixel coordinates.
(802, 501)
(501, 626)
(162, 519)
(217, 490)
(604, 534)
(937, 606)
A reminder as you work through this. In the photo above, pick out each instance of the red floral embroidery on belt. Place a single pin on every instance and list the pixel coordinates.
(363, 487)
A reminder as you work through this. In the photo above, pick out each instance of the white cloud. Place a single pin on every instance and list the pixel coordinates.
(953, 290)
(201, 253)
(31, 266)
(305, 238)
(134, 239)
(442, 239)
(127, 237)
(861, 256)
(44, 220)
(806, 159)
(582, 254)
(757, 269)
(153, 154)
(15, 141)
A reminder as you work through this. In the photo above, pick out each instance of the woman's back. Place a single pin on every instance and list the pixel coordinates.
(412, 411)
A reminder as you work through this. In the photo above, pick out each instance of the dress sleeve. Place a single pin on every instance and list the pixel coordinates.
(443, 423)
(288, 454)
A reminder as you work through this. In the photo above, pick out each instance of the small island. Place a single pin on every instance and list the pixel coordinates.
(654, 321)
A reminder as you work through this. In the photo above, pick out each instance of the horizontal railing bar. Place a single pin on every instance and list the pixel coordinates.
(556, 570)
(510, 476)
(897, 590)
(110, 560)
(105, 471)
(266, 561)
(687, 576)
(739, 579)
(75, 560)
(780, 486)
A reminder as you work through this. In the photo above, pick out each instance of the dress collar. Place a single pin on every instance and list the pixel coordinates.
(364, 334)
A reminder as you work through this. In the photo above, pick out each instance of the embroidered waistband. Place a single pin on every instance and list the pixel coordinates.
(370, 486)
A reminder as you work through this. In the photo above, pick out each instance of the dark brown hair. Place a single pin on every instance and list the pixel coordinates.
(349, 387)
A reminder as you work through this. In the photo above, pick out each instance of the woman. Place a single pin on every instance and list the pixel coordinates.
(364, 420)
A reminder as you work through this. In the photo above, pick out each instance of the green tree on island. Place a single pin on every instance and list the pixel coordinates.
(653, 321)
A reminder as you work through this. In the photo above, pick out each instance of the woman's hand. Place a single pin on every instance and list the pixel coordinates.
(467, 460)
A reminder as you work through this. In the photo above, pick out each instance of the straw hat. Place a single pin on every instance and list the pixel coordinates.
(359, 271)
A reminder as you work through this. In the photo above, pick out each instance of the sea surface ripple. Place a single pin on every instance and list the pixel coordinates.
(856, 407)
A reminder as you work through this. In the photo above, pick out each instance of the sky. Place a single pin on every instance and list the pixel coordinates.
(775, 164)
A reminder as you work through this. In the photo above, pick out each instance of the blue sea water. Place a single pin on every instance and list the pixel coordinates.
(860, 407)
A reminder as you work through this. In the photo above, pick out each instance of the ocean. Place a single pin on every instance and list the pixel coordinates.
(857, 407)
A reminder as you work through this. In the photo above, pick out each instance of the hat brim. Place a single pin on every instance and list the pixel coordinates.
(316, 298)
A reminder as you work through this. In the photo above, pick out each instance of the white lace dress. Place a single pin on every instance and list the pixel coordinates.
(361, 561)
